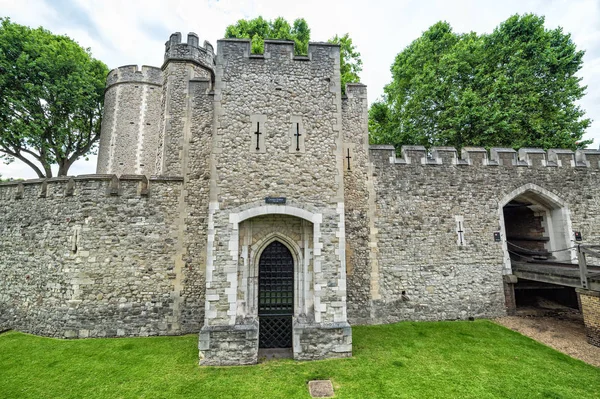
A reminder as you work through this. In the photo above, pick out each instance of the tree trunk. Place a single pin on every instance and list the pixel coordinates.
(63, 167)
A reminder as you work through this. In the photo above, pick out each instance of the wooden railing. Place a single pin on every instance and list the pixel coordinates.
(582, 252)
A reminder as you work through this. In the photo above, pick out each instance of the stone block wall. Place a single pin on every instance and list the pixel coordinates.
(278, 95)
(229, 345)
(193, 206)
(590, 308)
(90, 256)
(314, 342)
(424, 274)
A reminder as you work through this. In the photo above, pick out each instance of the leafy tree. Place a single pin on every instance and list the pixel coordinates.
(350, 62)
(259, 29)
(51, 98)
(515, 87)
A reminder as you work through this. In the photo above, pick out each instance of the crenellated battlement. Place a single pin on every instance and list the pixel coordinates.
(479, 156)
(85, 186)
(273, 49)
(133, 74)
(191, 51)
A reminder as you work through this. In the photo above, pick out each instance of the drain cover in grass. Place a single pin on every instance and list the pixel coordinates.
(320, 389)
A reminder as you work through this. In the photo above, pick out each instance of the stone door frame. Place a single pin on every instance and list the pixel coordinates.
(303, 283)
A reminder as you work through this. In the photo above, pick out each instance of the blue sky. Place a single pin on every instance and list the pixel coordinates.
(133, 32)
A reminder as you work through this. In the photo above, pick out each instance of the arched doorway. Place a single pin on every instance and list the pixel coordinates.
(536, 225)
(536, 232)
(275, 296)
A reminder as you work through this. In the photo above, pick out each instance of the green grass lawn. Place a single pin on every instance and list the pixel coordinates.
(405, 360)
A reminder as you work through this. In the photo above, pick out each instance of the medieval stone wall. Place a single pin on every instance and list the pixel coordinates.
(424, 273)
(193, 205)
(89, 256)
(375, 238)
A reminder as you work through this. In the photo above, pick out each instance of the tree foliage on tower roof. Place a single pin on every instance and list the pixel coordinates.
(259, 29)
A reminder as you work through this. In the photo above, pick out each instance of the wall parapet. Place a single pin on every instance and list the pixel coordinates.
(280, 48)
(85, 186)
(133, 74)
(497, 156)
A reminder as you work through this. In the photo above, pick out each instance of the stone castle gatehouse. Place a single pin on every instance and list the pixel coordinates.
(237, 196)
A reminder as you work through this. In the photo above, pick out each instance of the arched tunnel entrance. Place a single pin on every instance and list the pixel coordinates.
(536, 227)
(537, 234)
(536, 231)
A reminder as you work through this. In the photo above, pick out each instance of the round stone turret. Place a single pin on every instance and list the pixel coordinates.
(131, 121)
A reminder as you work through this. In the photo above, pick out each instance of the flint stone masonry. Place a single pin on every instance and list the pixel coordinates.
(90, 264)
(167, 238)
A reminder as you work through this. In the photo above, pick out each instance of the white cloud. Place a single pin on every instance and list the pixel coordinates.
(130, 32)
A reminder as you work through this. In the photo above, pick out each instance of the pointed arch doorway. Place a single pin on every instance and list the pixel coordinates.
(275, 296)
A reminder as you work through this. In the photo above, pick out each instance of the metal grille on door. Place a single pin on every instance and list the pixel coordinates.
(275, 296)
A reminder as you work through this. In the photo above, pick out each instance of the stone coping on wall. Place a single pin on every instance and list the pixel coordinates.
(497, 156)
(106, 184)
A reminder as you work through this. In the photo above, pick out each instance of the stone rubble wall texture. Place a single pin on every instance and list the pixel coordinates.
(131, 121)
(193, 206)
(424, 274)
(183, 62)
(89, 256)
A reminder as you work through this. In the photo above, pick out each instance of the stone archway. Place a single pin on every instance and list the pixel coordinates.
(255, 235)
(535, 222)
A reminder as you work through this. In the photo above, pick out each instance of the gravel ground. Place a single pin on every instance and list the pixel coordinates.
(554, 325)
